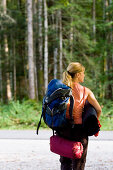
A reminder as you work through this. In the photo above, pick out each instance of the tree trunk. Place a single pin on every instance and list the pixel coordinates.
(104, 58)
(71, 40)
(55, 44)
(14, 70)
(71, 36)
(94, 21)
(108, 92)
(1, 87)
(55, 62)
(45, 47)
(8, 83)
(60, 39)
(40, 51)
(4, 5)
(104, 9)
(30, 50)
(110, 64)
(6, 50)
(35, 25)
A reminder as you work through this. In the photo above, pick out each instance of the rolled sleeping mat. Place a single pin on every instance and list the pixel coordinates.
(90, 121)
(65, 147)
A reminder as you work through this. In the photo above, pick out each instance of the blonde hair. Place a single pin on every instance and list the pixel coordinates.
(72, 69)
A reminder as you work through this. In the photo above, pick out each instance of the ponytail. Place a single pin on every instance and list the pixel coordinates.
(67, 79)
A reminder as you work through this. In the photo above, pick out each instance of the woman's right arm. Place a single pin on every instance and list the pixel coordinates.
(92, 100)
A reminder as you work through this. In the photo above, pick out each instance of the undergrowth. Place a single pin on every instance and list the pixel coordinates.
(20, 115)
(26, 115)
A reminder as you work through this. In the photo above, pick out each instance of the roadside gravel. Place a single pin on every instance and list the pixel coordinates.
(32, 153)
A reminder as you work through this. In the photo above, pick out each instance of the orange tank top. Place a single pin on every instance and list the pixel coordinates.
(80, 96)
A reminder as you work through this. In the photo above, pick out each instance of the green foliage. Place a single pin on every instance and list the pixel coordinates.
(106, 118)
(26, 115)
(65, 2)
(5, 19)
(107, 109)
(20, 115)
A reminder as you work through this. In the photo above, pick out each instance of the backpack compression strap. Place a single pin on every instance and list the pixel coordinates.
(56, 110)
(58, 93)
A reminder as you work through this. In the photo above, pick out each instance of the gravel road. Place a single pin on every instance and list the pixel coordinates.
(24, 150)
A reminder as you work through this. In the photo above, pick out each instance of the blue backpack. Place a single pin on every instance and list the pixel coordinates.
(54, 110)
(55, 104)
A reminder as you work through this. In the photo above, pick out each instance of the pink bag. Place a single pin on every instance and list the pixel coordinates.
(65, 147)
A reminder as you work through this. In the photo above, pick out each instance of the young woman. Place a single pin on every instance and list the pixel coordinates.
(73, 77)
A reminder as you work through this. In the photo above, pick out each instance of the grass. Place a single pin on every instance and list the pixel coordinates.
(26, 115)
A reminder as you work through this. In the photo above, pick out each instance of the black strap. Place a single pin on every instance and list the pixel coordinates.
(53, 132)
(71, 109)
(43, 113)
(39, 124)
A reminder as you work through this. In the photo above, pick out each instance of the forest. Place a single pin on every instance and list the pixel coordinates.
(39, 38)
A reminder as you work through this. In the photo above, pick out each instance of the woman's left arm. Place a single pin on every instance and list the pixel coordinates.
(92, 100)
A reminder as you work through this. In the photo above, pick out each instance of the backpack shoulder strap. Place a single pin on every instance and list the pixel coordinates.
(84, 96)
(71, 109)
